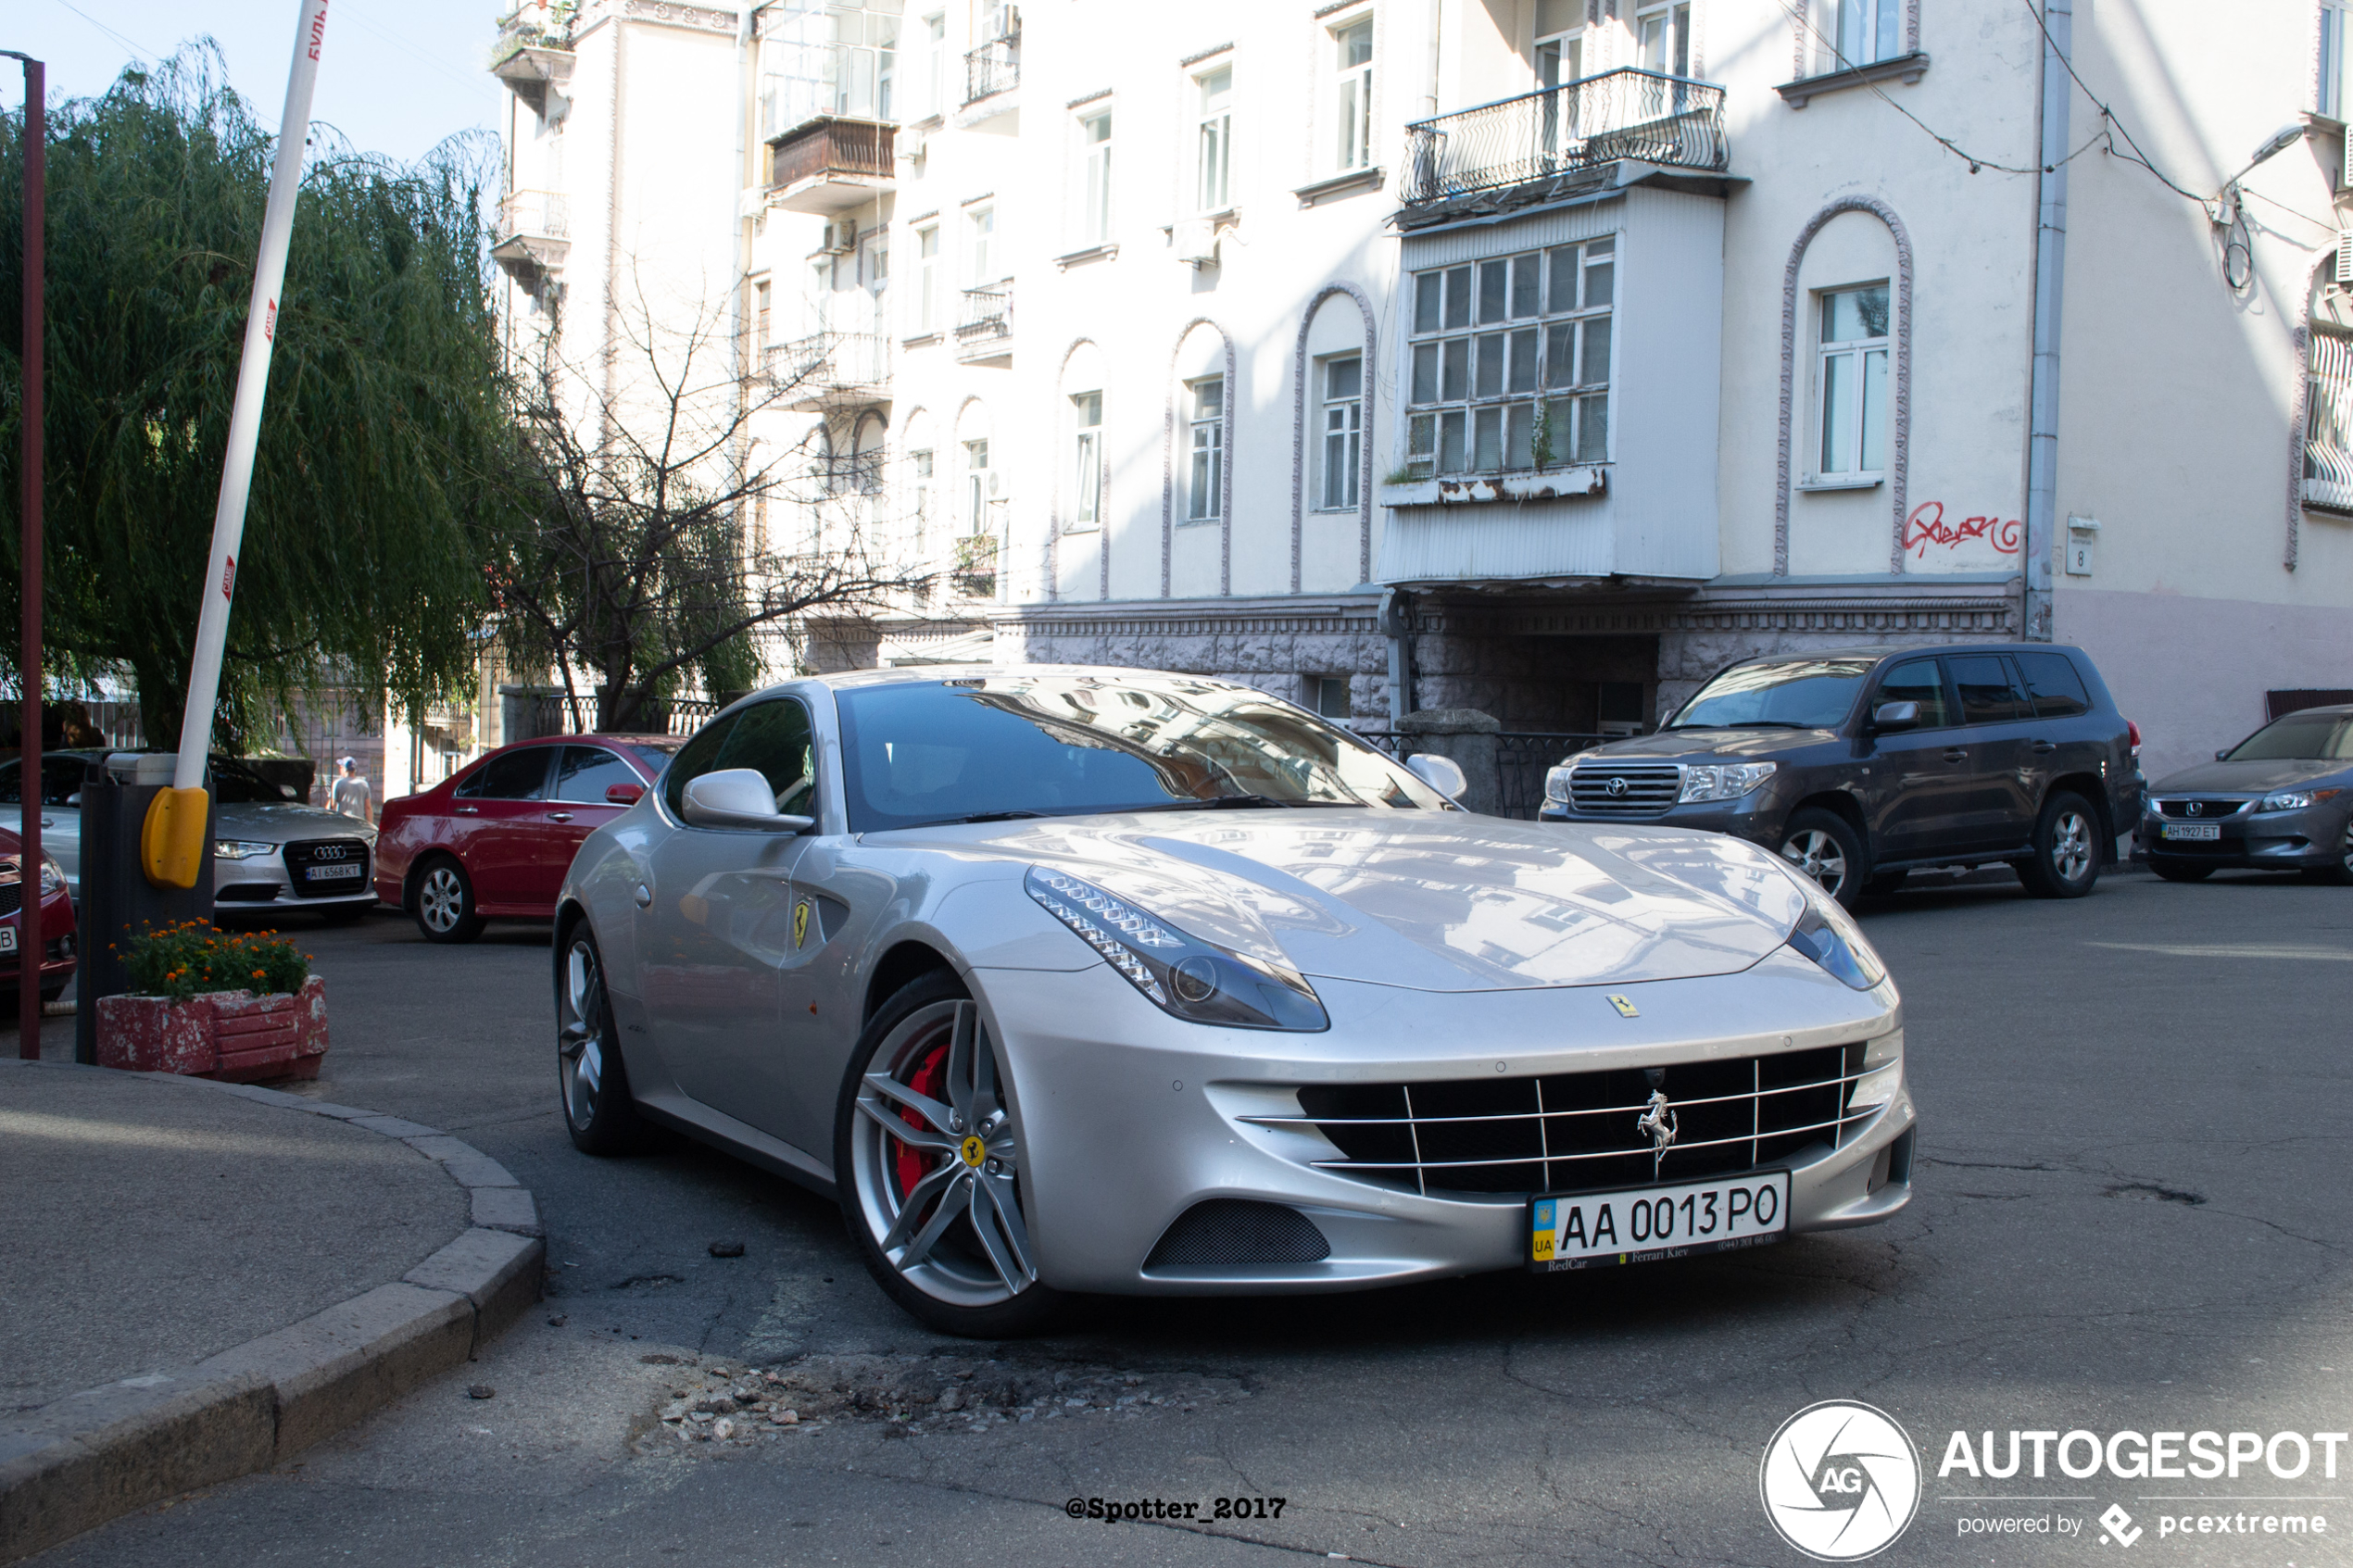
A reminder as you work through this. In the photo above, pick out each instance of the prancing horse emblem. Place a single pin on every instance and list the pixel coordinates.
(800, 924)
(1658, 1123)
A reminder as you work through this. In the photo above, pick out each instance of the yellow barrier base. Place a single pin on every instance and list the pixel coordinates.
(172, 839)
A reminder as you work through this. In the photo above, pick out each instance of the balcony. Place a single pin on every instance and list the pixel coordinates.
(831, 164)
(992, 72)
(829, 370)
(2328, 424)
(531, 69)
(984, 330)
(1558, 141)
(534, 236)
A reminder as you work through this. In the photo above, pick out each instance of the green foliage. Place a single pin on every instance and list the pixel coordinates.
(371, 516)
(192, 958)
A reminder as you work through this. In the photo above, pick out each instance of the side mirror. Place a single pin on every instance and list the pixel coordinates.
(624, 794)
(737, 797)
(1896, 716)
(74, 799)
(1441, 773)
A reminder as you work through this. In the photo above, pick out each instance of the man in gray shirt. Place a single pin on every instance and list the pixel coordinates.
(352, 798)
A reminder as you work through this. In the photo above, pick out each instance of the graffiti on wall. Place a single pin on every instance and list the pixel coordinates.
(1926, 526)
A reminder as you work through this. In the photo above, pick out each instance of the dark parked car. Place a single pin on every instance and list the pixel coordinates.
(495, 839)
(2281, 799)
(1861, 766)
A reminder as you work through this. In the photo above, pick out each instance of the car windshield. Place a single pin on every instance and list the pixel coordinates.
(2313, 736)
(1057, 745)
(1794, 694)
(654, 754)
(233, 783)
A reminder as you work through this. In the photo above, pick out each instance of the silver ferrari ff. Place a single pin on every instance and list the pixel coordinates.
(1069, 980)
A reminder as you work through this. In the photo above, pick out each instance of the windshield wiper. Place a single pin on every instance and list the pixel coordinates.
(990, 817)
(1235, 802)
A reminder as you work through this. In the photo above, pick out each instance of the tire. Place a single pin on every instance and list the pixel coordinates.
(2065, 858)
(444, 902)
(931, 1191)
(2341, 874)
(592, 1081)
(1825, 846)
(1880, 883)
(2180, 874)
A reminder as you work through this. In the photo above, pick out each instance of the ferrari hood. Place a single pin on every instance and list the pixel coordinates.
(1436, 901)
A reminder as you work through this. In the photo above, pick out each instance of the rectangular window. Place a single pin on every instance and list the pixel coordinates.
(927, 281)
(2332, 97)
(761, 317)
(976, 497)
(1988, 696)
(1343, 385)
(1214, 140)
(980, 239)
(1087, 476)
(1329, 696)
(919, 466)
(936, 64)
(1352, 94)
(1862, 32)
(1526, 384)
(1665, 35)
(1205, 428)
(1852, 381)
(1094, 180)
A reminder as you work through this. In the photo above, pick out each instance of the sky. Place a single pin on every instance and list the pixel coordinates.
(395, 76)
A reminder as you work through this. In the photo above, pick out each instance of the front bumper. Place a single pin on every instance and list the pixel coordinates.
(1129, 1116)
(263, 883)
(1757, 816)
(2304, 840)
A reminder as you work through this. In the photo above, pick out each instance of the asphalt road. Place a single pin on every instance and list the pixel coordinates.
(2131, 1214)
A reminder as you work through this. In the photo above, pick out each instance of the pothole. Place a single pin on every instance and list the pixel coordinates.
(2150, 1192)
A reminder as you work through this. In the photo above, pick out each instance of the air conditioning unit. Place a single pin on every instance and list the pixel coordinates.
(841, 238)
(1195, 240)
(912, 145)
(2345, 252)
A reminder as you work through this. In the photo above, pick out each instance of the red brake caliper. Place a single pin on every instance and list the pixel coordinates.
(908, 1162)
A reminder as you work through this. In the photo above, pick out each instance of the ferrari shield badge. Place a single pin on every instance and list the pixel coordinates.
(1625, 1006)
(800, 924)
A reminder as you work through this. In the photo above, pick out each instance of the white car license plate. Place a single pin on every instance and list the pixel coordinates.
(1587, 1230)
(332, 873)
(2205, 833)
(8, 938)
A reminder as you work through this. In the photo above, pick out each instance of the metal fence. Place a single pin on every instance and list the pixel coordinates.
(1522, 759)
(1620, 113)
(829, 361)
(2328, 423)
(545, 213)
(988, 316)
(554, 713)
(993, 68)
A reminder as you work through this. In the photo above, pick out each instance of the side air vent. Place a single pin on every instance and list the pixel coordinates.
(1226, 1231)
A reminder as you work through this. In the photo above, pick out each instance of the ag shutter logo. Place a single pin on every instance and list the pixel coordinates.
(1840, 1481)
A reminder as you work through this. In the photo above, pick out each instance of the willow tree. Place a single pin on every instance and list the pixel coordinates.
(375, 501)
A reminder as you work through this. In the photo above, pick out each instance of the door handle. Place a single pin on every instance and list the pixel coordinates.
(468, 811)
(560, 816)
(2044, 747)
(1957, 754)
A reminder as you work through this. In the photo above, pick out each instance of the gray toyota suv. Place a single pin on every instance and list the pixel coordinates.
(1863, 766)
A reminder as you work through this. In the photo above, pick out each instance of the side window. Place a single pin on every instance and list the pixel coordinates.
(61, 780)
(2056, 689)
(585, 772)
(512, 775)
(1988, 696)
(697, 757)
(774, 737)
(1917, 679)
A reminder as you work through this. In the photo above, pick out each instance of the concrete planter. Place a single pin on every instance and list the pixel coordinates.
(233, 1035)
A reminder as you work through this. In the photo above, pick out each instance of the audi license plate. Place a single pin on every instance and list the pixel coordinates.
(333, 873)
(1587, 1230)
(2197, 832)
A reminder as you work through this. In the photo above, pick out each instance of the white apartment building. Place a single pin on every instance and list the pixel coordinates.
(1531, 356)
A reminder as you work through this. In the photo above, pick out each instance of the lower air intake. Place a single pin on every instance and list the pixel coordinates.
(1224, 1232)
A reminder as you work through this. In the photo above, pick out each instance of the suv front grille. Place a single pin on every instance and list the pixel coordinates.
(1576, 1132)
(1603, 788)
(2210, 810)
(314, 867)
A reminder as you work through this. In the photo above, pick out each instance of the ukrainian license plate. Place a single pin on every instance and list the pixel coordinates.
(333, 873)
(1587, 1230)
(8, 938)
(2197, 832)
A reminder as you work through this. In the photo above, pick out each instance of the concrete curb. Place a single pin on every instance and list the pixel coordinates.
(90, 1457)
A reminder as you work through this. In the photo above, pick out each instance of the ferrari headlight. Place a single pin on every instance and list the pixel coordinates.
(1828, 935)
(241, 848)
(2294, 799)
(1179, 974)
(1723, 780)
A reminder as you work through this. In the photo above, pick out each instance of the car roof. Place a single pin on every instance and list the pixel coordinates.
(913, 674)
(2328, 710)
(1884, 652)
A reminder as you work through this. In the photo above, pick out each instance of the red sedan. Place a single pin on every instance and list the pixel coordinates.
(57, 923)
(495, 839)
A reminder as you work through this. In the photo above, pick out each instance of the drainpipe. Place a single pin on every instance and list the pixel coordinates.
(1397, 626)
(1436, 34)
(2050, 269)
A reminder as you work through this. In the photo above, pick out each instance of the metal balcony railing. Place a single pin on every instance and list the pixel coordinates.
(993, 68)
(830, 361)
(2328, 423)
(1624, 113)
(831, 145)
(535, 213)
(988, 315)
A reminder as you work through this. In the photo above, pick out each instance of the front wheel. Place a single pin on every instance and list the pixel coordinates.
(2339, 873)
(2065, 858)
(928, 1162)
(590, 1076)
(1827, 848)
(445, 910)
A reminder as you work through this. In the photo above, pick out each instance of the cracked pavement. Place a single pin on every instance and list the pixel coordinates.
(2129, 1214)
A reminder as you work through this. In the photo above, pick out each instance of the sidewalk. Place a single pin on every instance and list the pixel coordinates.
(204, 1278)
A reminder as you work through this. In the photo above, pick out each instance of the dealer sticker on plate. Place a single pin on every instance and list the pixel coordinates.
(1587, 1230)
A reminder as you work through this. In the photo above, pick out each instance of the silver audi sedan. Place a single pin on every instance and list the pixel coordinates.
(1069, 980)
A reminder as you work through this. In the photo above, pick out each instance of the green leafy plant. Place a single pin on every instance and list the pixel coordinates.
(1541, 442)
(187, 960)
(1406, 473)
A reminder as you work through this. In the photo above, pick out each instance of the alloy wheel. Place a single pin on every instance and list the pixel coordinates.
(580, 1039)
(936, 1160)
(441, 899)
(2071, 845)
(1817, 854)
